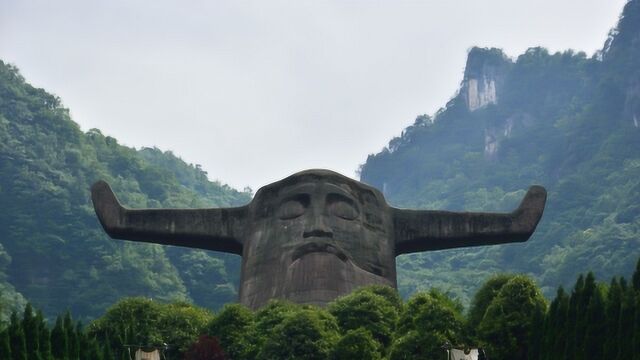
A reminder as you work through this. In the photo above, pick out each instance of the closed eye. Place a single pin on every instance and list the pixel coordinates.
(293, 207)
(342, 207)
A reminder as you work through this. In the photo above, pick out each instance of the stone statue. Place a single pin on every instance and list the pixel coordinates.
(315, 235)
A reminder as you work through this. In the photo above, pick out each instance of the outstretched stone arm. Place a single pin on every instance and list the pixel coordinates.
(423, 230)
(211, 229)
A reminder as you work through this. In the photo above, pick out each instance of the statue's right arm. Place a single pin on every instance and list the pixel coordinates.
(211, 229)
(426, 230)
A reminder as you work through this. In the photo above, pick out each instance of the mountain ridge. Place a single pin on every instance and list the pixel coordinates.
(562, 120)
(54, 250)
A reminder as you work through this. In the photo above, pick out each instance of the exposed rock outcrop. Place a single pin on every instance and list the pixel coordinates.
(632, 104)
(484, 76)
(494, 135)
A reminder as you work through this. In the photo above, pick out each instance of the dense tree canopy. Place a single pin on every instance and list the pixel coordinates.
(483, 298)
(368, 310)
(234, 327)
(516, 324)
(303, 334)
(144, 322)
(428, 321)
(357, 344)
(507, 326)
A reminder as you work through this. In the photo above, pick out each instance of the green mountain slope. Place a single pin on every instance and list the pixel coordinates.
(54, 252)
(563, 120)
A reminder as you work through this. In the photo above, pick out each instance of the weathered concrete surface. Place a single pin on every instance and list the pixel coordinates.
(315, 235)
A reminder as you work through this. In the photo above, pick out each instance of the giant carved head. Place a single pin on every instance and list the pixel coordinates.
(316, 235)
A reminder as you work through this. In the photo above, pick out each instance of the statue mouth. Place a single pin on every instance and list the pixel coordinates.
(318, 247)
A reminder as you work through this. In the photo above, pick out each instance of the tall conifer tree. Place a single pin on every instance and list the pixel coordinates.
(636, 277)
(554, 339)
(636, 329)
(31, 332)
(614, 303)
(572, 315)
(550, 328)
(584, 298)
(107, 352)
(5, 344)
(536, 334)
(73, 344)
(560, 340)
(547, 330)
(596, 328)
(69, 330)
(44, 337)
(16, 339)
(78, 341)
(59, 347)
(627, 314)
(92, 350)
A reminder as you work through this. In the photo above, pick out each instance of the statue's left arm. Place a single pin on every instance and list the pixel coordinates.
(211, 229)
(423, 230)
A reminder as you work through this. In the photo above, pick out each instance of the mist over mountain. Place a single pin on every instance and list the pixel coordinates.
(565, 120)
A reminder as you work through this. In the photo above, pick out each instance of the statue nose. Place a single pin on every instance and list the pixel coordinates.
(316, 226)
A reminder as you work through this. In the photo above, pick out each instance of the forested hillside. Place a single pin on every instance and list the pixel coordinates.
(566, 121)
(52, 248)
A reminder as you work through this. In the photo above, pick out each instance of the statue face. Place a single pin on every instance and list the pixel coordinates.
(316, 239)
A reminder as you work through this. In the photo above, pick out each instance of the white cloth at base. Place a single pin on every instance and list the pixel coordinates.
(457, 354)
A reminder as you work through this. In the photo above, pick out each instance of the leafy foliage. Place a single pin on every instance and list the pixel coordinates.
(234, 327)
(10, 299)
(303, 334)
(516, 324)
(368, 310)
(415, 345)
(428, 321)
(357, 344)
(506, 327)
(143, 322)
(131, 321)
(483, 298)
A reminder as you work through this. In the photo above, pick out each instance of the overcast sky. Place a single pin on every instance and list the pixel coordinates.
(256, 90)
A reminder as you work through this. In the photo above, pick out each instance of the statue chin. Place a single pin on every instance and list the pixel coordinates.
(321, 277)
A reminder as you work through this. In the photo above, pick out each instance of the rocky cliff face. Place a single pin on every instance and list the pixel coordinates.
(481, 93)
(632, 105)
(484, 77)
(494, 134)
(622, 53)
(631, 112)
(483, 84)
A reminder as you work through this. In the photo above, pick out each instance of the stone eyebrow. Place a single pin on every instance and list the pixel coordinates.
(295, 189)
(337, 190)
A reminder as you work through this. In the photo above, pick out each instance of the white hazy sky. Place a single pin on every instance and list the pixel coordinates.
(256, 90)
